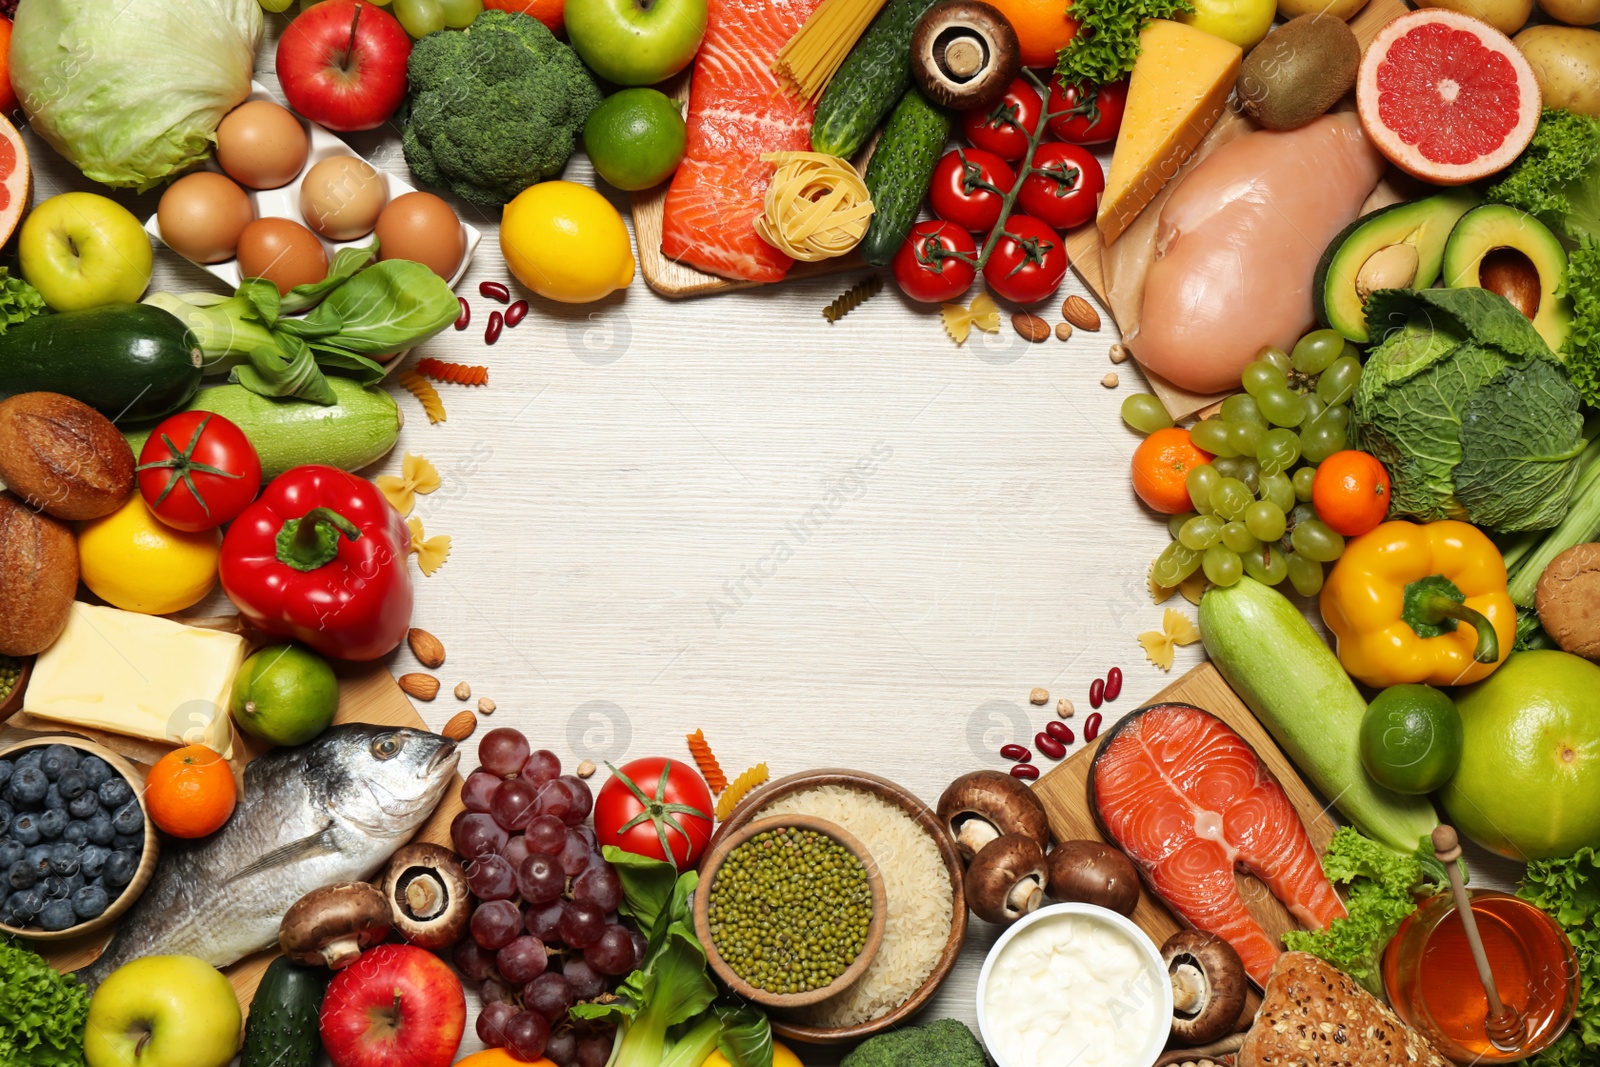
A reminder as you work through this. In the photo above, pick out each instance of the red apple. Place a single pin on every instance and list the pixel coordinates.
(396, 1006)
(342, 63)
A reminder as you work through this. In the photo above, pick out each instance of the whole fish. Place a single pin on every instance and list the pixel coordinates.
(333, 810)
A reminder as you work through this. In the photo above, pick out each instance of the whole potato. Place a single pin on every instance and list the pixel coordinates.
(1566, 60)
(1339, 9)
(1507, 16)
(1575, 12)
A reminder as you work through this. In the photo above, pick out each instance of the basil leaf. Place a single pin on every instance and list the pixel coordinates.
(346, 262)
(388, 308)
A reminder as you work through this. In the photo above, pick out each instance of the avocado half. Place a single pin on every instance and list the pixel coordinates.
(1509, 251)
(1395, 247)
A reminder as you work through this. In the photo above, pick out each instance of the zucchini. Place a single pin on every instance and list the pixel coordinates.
(875, 74)
(282, 1029)
(1293, 682)
(129, 361)
(899, 172)
(360, 428)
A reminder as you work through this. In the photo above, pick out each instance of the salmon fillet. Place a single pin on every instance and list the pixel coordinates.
(1189, 801)
(737, 111)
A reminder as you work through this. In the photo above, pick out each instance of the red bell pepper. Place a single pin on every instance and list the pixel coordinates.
(321, 558)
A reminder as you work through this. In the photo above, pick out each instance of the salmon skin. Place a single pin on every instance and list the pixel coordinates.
(1189, 801)
(737, 111)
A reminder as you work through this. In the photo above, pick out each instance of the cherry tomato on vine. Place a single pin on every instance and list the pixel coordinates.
(1087, 117)
(1028, 262)
(968, 187)
(197, 471)
(936, 262)
(655, 807)
(1062, 186)
(1004, 128)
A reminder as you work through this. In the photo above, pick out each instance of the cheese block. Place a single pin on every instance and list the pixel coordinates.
(138, 675)
(1179, 86)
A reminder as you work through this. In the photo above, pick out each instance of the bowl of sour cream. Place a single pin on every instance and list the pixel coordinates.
(1073, 985)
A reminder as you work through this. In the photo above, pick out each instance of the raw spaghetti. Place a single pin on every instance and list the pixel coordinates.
(738, 789)
(817, 207)
(456, 373)
(706, 760)
(809, 60)
(423, 390)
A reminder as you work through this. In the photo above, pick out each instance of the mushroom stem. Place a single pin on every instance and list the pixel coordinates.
(976, 832)
(426, 895)
(341, 953)
(1026, 896)
(1188, 987)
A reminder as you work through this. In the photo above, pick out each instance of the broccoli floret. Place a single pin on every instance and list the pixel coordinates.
(495, 108)
(946, 1043)
(1557, 179)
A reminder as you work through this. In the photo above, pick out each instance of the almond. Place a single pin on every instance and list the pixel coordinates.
(1080, 313)
(421, 686)
(460, 726)
(1031, 327)
(428, 649)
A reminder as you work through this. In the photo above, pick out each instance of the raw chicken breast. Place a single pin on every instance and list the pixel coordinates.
(1237, 245)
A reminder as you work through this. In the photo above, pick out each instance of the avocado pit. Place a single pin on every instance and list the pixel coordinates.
(1509, 272)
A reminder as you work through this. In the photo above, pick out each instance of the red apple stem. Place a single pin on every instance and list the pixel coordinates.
(350, 50)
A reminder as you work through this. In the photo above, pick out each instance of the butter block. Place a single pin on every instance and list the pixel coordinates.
(138, 675)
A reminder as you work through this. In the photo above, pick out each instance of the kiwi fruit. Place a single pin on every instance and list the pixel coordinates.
(1298, 71)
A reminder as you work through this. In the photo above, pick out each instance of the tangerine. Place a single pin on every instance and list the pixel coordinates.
(1351, 492)
(550, 12)
(190, 792)
(1043, 28)
(1161, 466)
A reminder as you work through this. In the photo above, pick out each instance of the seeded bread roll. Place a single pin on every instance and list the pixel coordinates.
(38, 578)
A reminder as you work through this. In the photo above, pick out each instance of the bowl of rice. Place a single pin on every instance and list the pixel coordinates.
(926, 918)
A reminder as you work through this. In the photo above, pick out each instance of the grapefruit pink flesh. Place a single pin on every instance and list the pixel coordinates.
(15, 177)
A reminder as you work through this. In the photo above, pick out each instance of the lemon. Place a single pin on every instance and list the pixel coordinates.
(781, 1057)
(566, 242)
(1244, 22)
(134, 561)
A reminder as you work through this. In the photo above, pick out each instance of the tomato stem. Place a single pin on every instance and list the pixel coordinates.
(1009, 200)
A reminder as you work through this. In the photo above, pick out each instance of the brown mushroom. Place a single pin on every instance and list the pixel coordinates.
(1006, 880)
(1568, 600)
(1208, 986)
(428, 896)
(983, 805)
(1093, 873)
(333, 925)
(964, 55)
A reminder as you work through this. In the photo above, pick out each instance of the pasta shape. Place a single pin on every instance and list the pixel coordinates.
(458, 373)
(423, 390)
(706, 760)
(817, 207)
(431, 551)
(417, 475)
(740, 788)
(853, 297)
(984, 313)
(1176, 629)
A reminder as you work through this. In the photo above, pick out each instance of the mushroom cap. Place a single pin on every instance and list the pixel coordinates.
(426, 889)
(965, 55)
(994, 804)
(1092, 872)
(1568, 600)
(1006, 879)
(333, 924)
(1209, 986)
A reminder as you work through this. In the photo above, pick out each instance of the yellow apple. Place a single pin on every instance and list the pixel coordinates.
(81, 250)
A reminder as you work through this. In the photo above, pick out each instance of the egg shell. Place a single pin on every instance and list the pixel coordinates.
(283, 252)
(421, 227)
(342, 197)
(201, 216)
(261, 144)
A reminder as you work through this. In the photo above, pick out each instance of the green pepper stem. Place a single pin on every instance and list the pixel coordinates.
(312, 541)
(1438, 607)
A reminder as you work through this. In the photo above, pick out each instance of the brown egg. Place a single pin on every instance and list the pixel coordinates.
(342, 197)
(261, 144)
(201, 216)
(421, 227)
(283, 252)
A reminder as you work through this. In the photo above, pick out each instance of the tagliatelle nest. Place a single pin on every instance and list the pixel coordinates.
(817, 207)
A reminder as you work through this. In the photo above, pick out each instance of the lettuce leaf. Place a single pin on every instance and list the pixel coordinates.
(1569, 890)
(42, 1013)
(19, 301)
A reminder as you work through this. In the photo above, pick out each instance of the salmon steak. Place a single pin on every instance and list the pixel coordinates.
(737, 111)
(1190, 802)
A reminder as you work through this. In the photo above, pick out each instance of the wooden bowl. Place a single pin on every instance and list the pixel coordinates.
(702, 905)
(924, 817)
(13, 701)
(147, 860)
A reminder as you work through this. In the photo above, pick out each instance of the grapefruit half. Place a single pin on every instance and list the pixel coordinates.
(15, 176)
(1446, 97)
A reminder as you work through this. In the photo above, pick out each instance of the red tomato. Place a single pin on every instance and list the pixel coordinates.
(1004, 128)
(1063, 185)
(653, 807)
(936, 262)
(1028, 261)
(198, 470)
(968, 187)
(1087, 117)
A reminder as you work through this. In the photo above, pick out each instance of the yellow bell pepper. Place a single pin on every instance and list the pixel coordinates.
(1426, 603)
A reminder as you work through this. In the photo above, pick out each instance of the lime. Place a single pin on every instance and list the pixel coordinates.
(1411, 739)
(635, 138)
(284, 694)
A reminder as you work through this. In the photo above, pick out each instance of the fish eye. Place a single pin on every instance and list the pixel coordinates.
(387, 747)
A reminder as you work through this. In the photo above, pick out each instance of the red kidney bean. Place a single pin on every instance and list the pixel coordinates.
(491, 334)
(1049, 745)
(494, 291)
(516, 312)
(466, 313)
(1025, 770)
(1091, 727)
(1060, 731)
(1097, 689)
(1016, 752)
(1113, 683)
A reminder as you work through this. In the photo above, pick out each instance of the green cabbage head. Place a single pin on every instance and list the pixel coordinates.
(131, 91)
(1468, 409)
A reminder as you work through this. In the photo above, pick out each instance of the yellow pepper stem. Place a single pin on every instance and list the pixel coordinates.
(1433, 606)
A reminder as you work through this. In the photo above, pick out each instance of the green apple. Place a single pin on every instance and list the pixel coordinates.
(163, 1011)
(81, 251)
(636, 42)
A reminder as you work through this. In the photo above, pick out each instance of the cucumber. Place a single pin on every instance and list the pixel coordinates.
(899, 172)
(360, 428)
(129, 361)
(282, 1029)
(1293, 682)
(875, 74)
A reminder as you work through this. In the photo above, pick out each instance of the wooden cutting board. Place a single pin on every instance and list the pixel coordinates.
(367, 693)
